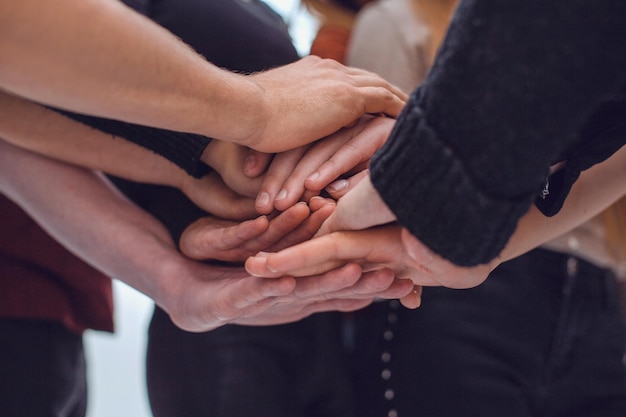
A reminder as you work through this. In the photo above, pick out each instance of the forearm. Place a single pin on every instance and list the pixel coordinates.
(119, 65)
(80, 210)
(596, 189)
(41, 130)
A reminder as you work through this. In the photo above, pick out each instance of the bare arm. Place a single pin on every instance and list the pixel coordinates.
(81, 210)
(39, 129)
(116, 63)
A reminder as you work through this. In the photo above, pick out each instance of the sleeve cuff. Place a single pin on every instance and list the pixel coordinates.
(432, 195)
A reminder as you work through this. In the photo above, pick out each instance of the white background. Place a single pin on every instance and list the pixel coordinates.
(116, 363)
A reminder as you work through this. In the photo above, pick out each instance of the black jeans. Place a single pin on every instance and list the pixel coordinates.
(292, 370)
(42, 370)
(542, 337)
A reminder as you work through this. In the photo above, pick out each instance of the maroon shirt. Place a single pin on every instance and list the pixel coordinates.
(39, 279)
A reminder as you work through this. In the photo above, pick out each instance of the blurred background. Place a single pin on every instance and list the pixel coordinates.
(116, 362)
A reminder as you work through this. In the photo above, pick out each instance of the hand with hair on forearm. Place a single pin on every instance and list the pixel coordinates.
(101, 58)
(390, 246)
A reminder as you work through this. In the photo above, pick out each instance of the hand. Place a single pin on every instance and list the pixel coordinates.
(373, 249)
(388, 246)
(213, 196)
(238, 166)
(382, 247)
(361, 207)
(213, 238)
(442, 271)
(259, 301)
(315, 166)
(203, 297)
(313, 98)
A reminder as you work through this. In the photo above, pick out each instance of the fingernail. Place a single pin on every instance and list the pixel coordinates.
(313, 176)
(281, 195)
(338, 185)
(263, 199)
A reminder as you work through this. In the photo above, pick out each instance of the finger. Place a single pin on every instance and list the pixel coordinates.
(227, 296)
(306, 230)
(400, 288)
(355, 153)
(246, 295)
(341, 187)
(369, 79)
(413, 299)
(370, 284)
(361, 208)
(256, 163)
(317, 202)
(312, 257)
(212, 195)
(317, 154)
(377, 100)
(304, 309)
(348, 159)
(322, 285)
(280, 169)
(208, 238)
(308, 195)
(279, 227)
(343, 305)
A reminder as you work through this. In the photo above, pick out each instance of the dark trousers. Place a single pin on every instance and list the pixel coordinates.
(292, 370)
(542, 337)
(42, 370)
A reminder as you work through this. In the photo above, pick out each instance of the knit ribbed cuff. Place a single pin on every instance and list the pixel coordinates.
(182, 149)
(432, 195)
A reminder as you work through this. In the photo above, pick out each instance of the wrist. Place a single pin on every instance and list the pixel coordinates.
(236, 111)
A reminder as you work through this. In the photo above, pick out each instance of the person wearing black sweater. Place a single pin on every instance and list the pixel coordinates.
(522, 97)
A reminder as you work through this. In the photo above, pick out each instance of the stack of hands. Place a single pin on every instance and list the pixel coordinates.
(310, 218)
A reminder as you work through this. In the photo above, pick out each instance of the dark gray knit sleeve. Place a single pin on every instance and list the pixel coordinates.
(433, 195)
(510, 94)
(183, 149)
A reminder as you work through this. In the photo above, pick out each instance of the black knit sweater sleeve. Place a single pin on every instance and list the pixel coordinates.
(183, 149)
(511, 92)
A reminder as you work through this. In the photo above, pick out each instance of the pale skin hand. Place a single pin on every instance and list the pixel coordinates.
(304, 172)
(212, 238)
(313, 98)
(36, 128)
(239, 167)
(596, 189)
(361, 207)
(126, 242)
(215, 239)
(116, 63)
(211, 194)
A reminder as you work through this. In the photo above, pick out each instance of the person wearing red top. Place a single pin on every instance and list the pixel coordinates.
(48, 298)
